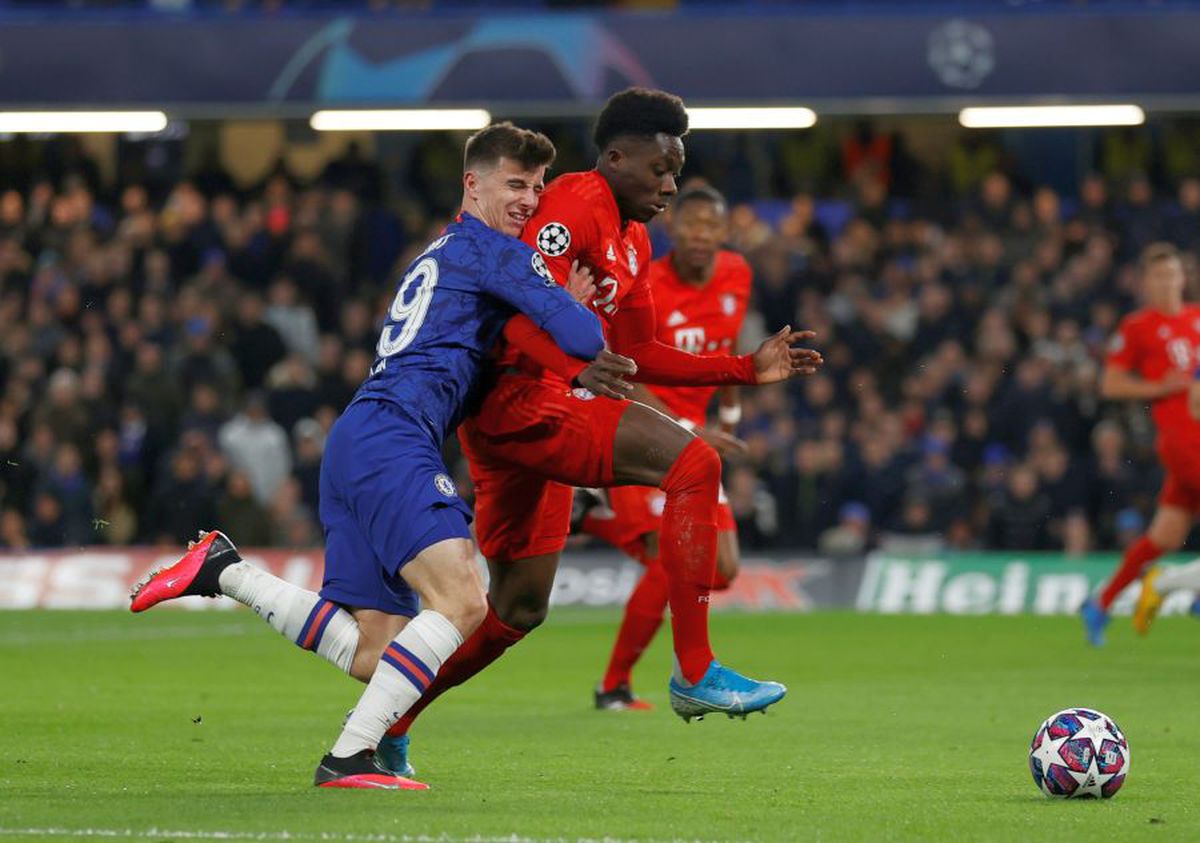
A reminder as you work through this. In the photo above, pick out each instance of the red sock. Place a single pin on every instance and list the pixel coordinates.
(1140, 554)
(485, 645)
(688, 549)
(643, 616)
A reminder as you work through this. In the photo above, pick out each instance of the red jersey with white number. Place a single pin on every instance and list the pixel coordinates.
(577, 219)
(1150, 343)
(702, 320)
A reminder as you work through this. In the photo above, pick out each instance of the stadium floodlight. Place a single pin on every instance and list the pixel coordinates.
(1048, 116)
(399, 119)
(53, 122)
(751, 118)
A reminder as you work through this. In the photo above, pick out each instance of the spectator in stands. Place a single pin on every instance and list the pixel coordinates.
(240, 514)
(254, 444)
(962, 338)
(1020, 518)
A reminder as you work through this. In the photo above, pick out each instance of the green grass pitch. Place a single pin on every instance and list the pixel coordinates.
(186, 725)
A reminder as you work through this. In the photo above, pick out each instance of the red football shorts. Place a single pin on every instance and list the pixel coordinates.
(531, 443)
(1181, 485)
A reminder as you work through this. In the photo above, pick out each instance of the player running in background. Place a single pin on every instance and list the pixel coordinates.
(1152, 359)
(395, 527)
(701, 292)
(1158, 583)
(535, 437)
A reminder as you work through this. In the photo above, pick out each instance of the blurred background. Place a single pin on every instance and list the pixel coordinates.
(186, 304)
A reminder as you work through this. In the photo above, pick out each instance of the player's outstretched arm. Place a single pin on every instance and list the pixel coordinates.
(606, 375)
(632, 334)
(522, 279)
(1118, 384)
(778, 358)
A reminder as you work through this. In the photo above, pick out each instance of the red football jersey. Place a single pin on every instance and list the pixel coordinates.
(577, 219)
(1151, 343)
(701, 320)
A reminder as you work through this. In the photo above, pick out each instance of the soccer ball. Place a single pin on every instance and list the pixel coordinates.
(1079, 752)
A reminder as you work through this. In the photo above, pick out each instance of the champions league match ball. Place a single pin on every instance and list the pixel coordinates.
(1079, 752)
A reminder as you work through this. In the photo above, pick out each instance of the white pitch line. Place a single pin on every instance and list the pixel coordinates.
(176, 834)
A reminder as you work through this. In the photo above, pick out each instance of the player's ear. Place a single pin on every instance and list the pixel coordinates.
(470, 182)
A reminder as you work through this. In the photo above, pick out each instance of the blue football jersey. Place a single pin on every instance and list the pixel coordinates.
(449, 310)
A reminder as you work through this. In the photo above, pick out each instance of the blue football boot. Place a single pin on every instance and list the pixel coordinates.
(1195, 610)
(723, 690)
(392, 755)
(1094, 621)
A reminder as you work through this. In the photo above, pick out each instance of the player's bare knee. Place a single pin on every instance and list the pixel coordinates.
(526, 612)
(472, 612)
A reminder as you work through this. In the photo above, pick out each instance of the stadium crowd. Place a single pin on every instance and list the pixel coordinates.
(172, 356)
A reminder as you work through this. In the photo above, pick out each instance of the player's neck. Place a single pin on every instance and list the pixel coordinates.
(691, 275)
(1169, 308)
(612, 190)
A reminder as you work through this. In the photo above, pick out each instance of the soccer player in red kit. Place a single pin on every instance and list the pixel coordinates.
(1152, 359)
(701, 292)
(535, 437)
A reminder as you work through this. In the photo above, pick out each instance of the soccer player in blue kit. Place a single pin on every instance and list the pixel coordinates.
(395, 528)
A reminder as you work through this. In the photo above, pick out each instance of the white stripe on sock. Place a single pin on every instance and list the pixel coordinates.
(286, 607)
(431, 639)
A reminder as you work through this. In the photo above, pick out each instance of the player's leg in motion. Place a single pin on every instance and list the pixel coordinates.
(628, 518)
(212, 567)
(643, 616)
(1157, 584)
(446, 579)
(650, 449)
(644, 613)
(1167, 533)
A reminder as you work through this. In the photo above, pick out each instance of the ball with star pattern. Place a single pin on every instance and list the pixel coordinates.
(1079, 753)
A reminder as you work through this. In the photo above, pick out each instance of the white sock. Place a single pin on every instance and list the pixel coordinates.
(406, 668)
(1180, 578)
(303, 617)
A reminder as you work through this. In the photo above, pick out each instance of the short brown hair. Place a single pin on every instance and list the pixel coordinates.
(1156, 252)
(486, 147)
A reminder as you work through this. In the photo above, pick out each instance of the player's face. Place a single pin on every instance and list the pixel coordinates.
(1163, 282)
(698, 229)
(506, 196)
(643, 173)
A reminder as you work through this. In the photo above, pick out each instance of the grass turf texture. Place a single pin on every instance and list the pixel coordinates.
(894, 728)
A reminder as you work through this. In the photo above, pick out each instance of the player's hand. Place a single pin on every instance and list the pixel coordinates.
(580, 284)
(726, 444)
(606, 375)
(1194, 400)
(1174, 381)
(776, 360)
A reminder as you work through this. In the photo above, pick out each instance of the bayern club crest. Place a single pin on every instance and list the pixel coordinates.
(554, 239)
(728, 304)
(445, 485)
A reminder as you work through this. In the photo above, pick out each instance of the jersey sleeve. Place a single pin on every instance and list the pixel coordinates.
(632, 332)
(519, 277)
(1123, 350)
(562, 231)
